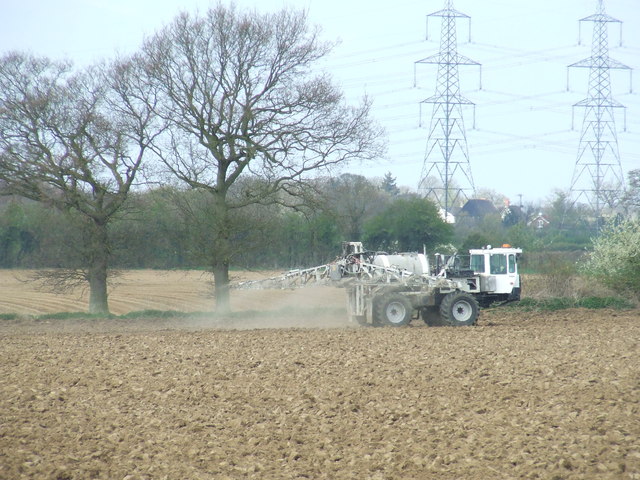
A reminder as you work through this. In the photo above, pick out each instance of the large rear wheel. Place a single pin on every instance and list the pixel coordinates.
(394, 309)
(459, 309)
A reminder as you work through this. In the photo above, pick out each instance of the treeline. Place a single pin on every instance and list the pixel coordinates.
(171, 228)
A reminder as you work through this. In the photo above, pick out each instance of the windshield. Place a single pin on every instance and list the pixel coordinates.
(498, 264)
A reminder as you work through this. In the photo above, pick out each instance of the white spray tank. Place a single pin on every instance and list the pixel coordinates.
(416, 263)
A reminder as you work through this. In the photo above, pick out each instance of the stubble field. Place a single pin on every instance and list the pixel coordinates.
(301, 393)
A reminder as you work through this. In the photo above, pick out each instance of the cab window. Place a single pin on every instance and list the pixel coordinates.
(498, 264)
(477, 263)
(512, 263)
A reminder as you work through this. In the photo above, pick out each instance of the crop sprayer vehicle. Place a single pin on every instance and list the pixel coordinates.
(393, 289)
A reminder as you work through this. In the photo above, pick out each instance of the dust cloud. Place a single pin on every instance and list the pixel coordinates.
(310, 307)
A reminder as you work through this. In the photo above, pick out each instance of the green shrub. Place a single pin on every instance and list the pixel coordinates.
(615, 260)
(605, 302)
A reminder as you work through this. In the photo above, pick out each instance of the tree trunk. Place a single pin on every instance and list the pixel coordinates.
(98, 302)
(221, 279)
(97, 272)
(221, 251)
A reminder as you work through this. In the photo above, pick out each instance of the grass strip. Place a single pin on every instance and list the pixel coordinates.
(562, 303)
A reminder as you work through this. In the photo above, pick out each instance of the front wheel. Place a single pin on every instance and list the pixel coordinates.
(394, 309)
(459, 309)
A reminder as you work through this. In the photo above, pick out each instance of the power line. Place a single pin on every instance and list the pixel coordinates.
(447, 153)
(597, 176)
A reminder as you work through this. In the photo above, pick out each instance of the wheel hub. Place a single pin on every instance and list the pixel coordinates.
(462, 311)
(395, 312)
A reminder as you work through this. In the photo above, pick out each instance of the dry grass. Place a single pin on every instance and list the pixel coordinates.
(161, 290)
(562, 285)
(134, 290)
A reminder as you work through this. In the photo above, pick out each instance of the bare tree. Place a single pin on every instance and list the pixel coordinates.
(74, 140)
(241, 100)
(354, 199)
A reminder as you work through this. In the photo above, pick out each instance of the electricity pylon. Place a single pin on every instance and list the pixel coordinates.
(447, 153)
(597, 176)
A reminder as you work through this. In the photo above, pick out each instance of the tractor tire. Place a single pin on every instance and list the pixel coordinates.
(431, 316)
(459, 309)
(394, 310)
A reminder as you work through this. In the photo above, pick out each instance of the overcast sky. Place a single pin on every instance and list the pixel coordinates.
(523, 143)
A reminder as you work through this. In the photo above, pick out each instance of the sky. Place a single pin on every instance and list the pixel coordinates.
(523, 145)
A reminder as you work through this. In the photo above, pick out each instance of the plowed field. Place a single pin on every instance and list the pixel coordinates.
(521, 395)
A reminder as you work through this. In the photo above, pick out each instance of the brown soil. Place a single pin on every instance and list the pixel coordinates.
(522, 395)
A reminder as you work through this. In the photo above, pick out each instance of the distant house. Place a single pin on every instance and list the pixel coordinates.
(478, 208)
(539, 222)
